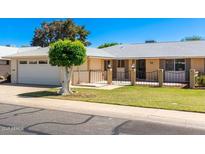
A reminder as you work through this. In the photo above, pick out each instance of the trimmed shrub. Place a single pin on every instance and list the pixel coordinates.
(200, 80)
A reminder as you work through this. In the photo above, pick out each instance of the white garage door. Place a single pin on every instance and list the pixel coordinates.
(31, 72)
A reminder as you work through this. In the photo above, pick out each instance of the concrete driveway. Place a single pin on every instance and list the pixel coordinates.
(7, 89)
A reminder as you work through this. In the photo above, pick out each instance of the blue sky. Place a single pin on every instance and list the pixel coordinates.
(20, 31)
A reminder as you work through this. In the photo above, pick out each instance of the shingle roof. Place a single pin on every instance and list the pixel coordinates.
(35, 51)
(159, 50)
(4, 51)
(24, 49)
(93, 52)
(126, 51)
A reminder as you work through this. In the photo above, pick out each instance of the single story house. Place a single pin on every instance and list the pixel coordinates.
(175, 58)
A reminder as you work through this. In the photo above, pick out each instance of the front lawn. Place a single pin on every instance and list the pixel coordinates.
(141, 96)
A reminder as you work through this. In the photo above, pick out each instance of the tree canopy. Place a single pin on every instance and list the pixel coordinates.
(64, 29)
(67, 53)
(192, 38)
(105, 45)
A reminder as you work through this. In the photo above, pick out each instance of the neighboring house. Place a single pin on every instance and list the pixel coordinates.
(5, 63)
(5, 68)
(32, 66)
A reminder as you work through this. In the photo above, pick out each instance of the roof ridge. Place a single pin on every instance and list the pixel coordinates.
(164, 42)
(132, 44)
(8, 47)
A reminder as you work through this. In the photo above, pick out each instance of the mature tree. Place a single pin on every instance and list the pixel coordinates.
(105, 45)
(66, 54)
(192, 38)
(53, 31)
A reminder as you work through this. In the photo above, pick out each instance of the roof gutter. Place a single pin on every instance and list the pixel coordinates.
(17, 57)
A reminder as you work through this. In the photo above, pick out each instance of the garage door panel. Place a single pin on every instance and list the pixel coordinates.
(44, 74)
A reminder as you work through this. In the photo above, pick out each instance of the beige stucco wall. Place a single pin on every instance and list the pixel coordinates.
(95, 64)
(83, 74)
(152, 65)
(91, 64)
(197, 64)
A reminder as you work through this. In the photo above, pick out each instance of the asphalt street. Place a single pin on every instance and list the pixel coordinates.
(19, 120)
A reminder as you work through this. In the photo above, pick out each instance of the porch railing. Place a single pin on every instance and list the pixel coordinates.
(122, 77)
(97, 76)
(131, 77)
(147, 78)
(176, 76)
(89, 76)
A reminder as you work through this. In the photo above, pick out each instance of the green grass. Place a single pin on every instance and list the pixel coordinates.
(141, 96)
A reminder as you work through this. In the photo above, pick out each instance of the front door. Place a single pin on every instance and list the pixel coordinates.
(121, 70)
(141, 69)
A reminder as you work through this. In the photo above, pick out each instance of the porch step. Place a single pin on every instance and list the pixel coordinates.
(92, 84)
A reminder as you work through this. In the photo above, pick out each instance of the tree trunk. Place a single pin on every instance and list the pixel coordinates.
(66, 84)
(70, 73)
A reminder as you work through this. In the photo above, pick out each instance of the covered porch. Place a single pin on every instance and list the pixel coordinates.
(146, 72)
(175, 70)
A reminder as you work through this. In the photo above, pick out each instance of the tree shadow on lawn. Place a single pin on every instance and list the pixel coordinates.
(39, 94)
(54, 94)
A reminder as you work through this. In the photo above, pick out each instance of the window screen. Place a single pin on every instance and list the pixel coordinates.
(175, 65)
(179, 64)
(169, 65)
(121, 63)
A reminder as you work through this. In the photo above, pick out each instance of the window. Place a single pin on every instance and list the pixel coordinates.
(43, 62)
(23, 62)
(120, 63)
(175, 65)
(33, 62)
(179, 64)
(4, 62)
